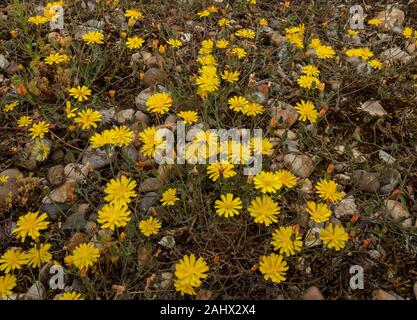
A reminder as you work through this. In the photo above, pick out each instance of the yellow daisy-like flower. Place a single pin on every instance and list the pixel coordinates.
(273, 267)
(188, 273)
(325, 52)
(315, 43)
(85, 255)
(133, 14)
(374, 22)
(287, 241)
(24, 121)
(121, 136)
(152, 142)
(364, 53)
(307, 111)
(56, 58)
(11, 106)
(238, 103)
(228, 206)
(207, 60)
(327, 190)
(204, 13)
(261, 146)
(352, 33)
(169, 197)
(237, 153)
(319, 212)
(264, 210)
(70, 296)
(268, 182)
(305, 81)
(114, 215)
(208, 81)
(189, 117)
(206, 46)
(175, 43)
(287, 178)
(222, 43)
(37, 20)
(263, 22)
(310, 70)
(240, 53)
(253, 109)
(38, 130)
(212, 9)
(230, 76)
(159, 102)
(245, 34)
(224, 22)
(30, 225)
(39, 255)
(87, 118)
(120, 190)
(135, 42)
(12, 259)
(7, 284)
(99, 140)
(375, 64)
(69, 111)
(408, 32)
(93, 37)
(80, 93)
(217, 169)
(334, 236)
(4, 179)
(149, 226)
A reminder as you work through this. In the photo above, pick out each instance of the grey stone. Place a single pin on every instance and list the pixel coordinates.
(346, 207)
(398, 213)
(389, 178)
(366, 181)
(373, 108)
(148, 201)
(75, 221)
(154, 76)
(98, 158)
(55, 210)
(301, 165)
(124, 116)
(77, 172)
(150, 184)
(36, 292)
(3, 62)
(56, 175)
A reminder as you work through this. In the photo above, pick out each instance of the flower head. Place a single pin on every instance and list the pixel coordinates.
(38, 255)
(307, 111)
(327, 190)
(153, 143)
(11, 106)
(240, 53)
(264, 210)
(238, 103)
(12, 259)
(169, 197)
(230, 76)
(99, 140)
(7, 283)
(224, 22)
(222, 43)
(85, 255)
(133, 14)
(245, 33)
(319, 212)
(268, 182)
(175, 43)
(149, 226)
(159, 102)
(38, 129)
(307, 81)
(69, 110)
(188, 273)
(24, 121)
(287, 178)
(80, 93)
(134, 42)
(273, 267)
(286, 240)
(310, 70)
(189, 117)
(120, 190)
(374, 22)
(114, 215)
(325, 52)
(217, 169)
(87, 118)
(70, 296)
(253, 109)
(30, 225)
(121, 136)
(93, 37)
(334, 236)
(228, 206)
(37, 20)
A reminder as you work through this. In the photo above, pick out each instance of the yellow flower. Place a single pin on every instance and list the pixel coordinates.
(334, 236)
(56, 58)
(327, 190)
(120, 190)
(307, 111)
(88, 118)
(375, 64)
(99, 140)
(169, 197)
(7, 283)
(253, 109)
(286, 241)
(263, 22)
(41, 149)
(159, 102)
(93, 37)
(264, 210)
(188, 273)
(24, 121)
(30, 224)
(240, 53)
(189, 117)
(208, 81)
(236, 152)
(4, 179)
(408, 32)
(268, 182)
(38, 255)
(363, 53)
(238, 103)
(228, 206)
(310, 70)
(149, 226)
(206, 46)
(134, 42)
(306, 81)
(70, 296)
(352, 33)
(114, 215)
(152, 142)
(121, 136)
(374, 22)
(218, 169)
(204, 13)
(85, 255)
(319, 212)
(175, 43)
(245, 33)
(230, 76)
(37, 20)
(295, 35)
(11, 106)
(222, 43)
(288, 179)
(224, 22)
(261, 146)
(133, 14)
(12, 259)
(273, 267)
(325, 52)
(251, 1)
(315, 43)
(207, 60)
(80, 93)
(212, 9)
(69, 111)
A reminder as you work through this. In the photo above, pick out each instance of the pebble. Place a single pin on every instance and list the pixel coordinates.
(415, 289)
(9, 189)
(55, 210)
(398, 212)
(286, 134)
(150, 184)
(62, 194)
(386, 157)
(346, 207)
(3, 62)
(313, 293)
(301, 165)
(383, 295)
(75, 221)
(56, 175)
(284, 115)
(391, 18)
(366, 181)
(373, 108)
(98, 158)
(124, 116)
(148, 201)
(77, 172)
(154, 76)
(395, 55)
(167, 242)
(389, 178)
(36, 292)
